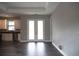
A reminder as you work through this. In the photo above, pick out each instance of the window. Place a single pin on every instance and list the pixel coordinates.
(11, 25)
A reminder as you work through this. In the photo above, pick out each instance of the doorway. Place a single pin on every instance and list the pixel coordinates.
(35, 30)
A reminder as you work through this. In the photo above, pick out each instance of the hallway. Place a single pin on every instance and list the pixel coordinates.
(28, 49)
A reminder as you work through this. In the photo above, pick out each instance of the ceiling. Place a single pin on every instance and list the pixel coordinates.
(29, 8)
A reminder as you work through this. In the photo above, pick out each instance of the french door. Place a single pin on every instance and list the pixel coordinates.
(36, 30)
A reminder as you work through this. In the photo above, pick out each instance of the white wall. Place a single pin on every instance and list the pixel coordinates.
(17, 24)
(65, 27)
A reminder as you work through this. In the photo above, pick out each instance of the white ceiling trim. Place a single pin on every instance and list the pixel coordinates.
(41, 8)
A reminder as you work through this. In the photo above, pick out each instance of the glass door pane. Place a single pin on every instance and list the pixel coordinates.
(40, 29)
(31, 29)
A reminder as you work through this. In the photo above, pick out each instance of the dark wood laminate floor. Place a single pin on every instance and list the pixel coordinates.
(28, 49)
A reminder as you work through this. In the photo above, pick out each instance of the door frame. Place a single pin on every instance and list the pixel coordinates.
(35, 30)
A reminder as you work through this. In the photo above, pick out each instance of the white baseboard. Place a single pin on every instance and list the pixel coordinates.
(35, 41)
(59, 50)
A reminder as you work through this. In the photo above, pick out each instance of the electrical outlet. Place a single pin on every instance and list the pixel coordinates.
(60, 47)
